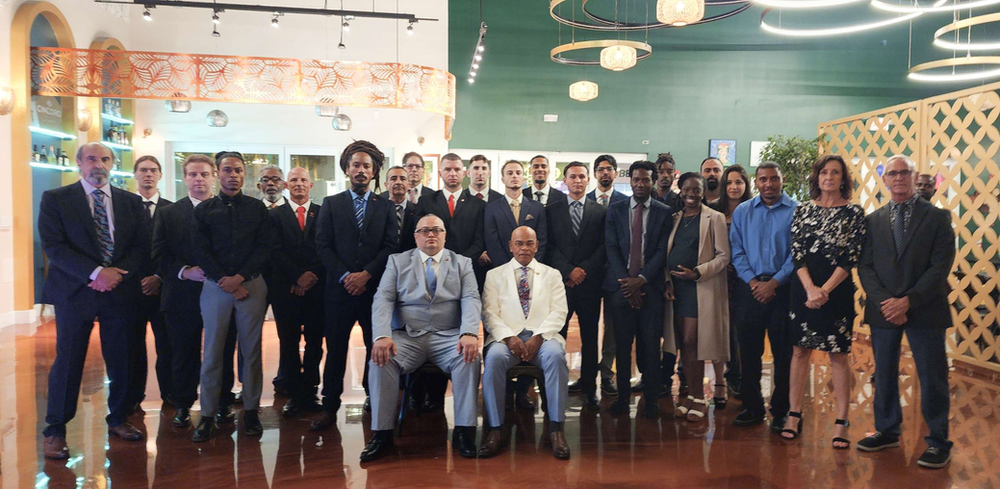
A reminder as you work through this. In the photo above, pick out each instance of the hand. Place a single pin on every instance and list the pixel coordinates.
(383, 350)
(241, 293)
(764, 291)
(899, 320)
(355, 282)
(151, 285)
(532, 346)
(516, 346)
(229, 284)
(195, 274)
(895, 307)
(307, 280)
(669, 293)
(630, 286)
(816, 297)
(683, 273)
(468, 347)
(107, 279)
(576, 277)
(298, 291)
(636, 301)
(484, 259)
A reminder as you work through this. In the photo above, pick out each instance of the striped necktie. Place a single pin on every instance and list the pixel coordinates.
(359, 210)
(103, 228)
(576, 213)
(399, 218)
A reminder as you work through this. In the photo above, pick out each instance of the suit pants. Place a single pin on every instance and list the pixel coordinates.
(149, 312)
(928, 347)
(412, 352)
(608, 345)
(587, 306)
(645, 326)
(551, 358)
(185, 329)
(217, 309)
(341, 314)
(295, 317)
(754, 319)
(74, 322)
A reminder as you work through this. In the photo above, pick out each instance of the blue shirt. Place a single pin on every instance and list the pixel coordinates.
(760, 239)
(364, 208)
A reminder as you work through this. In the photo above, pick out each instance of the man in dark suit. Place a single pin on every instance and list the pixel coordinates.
(406, 211)
(541, 191)
(479, 188)
(636, 244)
(413, 163)
(605, 171)
(665, 170)
(500, 221)
(461, 213)
(908, 254)
(147, 175)
(97, 243)
(297, 285)
(355, 235)
(576, 249)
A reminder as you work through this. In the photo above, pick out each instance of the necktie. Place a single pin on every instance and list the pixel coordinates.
(451, 205)
(300, 213)
(479, 196)
(432, 283)
(635, 247)
(272, 205)
(523, 292)
(604, 200)
(576, 215)
(103, 228)
(149, 209)
(538, 196)
(899, 226)
(399, 218)
(515, 207)
(359, 210)
(413, 195)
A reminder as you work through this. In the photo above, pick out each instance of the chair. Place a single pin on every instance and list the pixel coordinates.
(409, 380)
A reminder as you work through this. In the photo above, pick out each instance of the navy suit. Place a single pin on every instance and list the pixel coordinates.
(344, 249)
(68, 233)
(499, 225)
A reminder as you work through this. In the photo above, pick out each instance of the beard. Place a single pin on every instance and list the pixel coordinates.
(712, 183)
(272, 198)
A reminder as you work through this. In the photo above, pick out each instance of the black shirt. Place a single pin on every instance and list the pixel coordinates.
(233, 235)
(673, 199)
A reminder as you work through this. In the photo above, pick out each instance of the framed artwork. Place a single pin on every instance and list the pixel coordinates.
(756, 148)
(431, 171)
(723, 149)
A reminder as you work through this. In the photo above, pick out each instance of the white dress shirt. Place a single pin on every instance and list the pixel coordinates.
(448, 194)
(278, 203)
(155, 200)
(485, 193)
(88, 189)
(518, 199)
(295, 207)
(598, 194)
(544, 199)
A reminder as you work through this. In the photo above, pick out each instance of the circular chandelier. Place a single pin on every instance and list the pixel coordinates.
(599, 23)
(834, 31)
(962, 24)
(679, 13)
(557, 53)
(805, 4)
(583, 91)
(618, 57)
(217, 118)
(936, 7)
(917, 71)
(178, 106)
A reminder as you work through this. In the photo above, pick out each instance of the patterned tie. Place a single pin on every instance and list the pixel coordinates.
(523, 292)
(432, 283)
(899, 226)
(300, 213)
(515, 207)
(399, 219)
(451, 205)
(412, 193)
(576, 214)
(604, 200)
(635, 247)
(359, 210)
(103, 228)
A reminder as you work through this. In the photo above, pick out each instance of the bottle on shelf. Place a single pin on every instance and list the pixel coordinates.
(34, 153)
(52, 154)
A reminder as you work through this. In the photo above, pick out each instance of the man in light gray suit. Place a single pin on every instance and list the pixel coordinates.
(427, 308)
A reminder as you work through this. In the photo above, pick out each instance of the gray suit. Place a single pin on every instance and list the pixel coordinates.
(425, 329)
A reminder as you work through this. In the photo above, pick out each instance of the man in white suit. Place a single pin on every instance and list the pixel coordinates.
(426, 309)
(524, 308)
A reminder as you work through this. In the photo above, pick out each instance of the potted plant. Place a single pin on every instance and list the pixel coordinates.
(796, 156)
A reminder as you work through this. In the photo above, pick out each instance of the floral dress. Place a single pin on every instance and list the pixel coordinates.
(823, 239)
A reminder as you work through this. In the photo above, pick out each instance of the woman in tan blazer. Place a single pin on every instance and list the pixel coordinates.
(696, 315)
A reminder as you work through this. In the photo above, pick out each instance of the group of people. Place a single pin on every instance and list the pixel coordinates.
(702, 272)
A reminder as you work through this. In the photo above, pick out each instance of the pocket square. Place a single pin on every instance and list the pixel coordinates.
(529, 217)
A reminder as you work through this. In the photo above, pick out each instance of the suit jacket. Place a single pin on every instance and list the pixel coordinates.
(492, 195)
(69, 238)
(554, 195)
(424, 191)
(618, 238)
(153, 267)
(410, 218)
(499, 225)
(344, 248)
(296, 252)
(567, 251)
(465, 228)
(503, 316)
(919, 271)
(402, 300)
(172, 250)
(616, 196)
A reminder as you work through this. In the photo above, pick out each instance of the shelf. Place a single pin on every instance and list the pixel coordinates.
(116, 145)
(114, 118)
(50, 132)
(50, 166)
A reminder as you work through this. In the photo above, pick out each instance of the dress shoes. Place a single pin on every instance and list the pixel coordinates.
(280, 390)
(431, 406)
(608, 388)
(620, 407)
(291, 408)
(226, 415)
(778, 424)
(379, 445)
(182, 418)
(748, 418)
(55, 448)
(651, 410)
(639, 386)
(238, 398)
(323, 422)
(251, 423)
(575, 387)
(523, 402)
(368, 405)
(559, 446)
(492, 443)
(463, 439)
(311, 404)
(204, 431)
(590, 402)
(126, 432)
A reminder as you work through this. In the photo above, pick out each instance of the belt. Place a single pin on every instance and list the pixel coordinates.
(764, 277)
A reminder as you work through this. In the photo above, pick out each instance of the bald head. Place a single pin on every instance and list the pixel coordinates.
(95, 161)
(524, 245)
(430, 234)
(299, 185)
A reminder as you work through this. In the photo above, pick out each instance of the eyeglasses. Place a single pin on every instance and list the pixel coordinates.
(429, 231)
(270, 179)
(900, 173)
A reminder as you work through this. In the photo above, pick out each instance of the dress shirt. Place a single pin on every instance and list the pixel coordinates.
(544, 199)
(278, 203)
(295, 207)
(531, 277)
(109, 208)
(907, 212)
(155, 200)
(225, 243)
(447, 194)
(194, 203)
(760, 238)
(485, 193)
(582, 200)
(517, 199)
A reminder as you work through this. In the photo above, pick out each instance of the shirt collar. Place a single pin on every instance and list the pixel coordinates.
(89, 189)
(419, 188)
(194, 201)
(425, 256)
(279, 202)
(447, 194)
(570, 200)
(295, 207)
(599, 193)
(509, 200)
(784, 200)
(355, 196)
(909, 202)
(531, 266)
(633, 202)
(485, 193)
(155, 200)
(224, 197)
(544, 190)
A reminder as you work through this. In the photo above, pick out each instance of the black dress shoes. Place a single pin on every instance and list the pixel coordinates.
(368, 405)
(226, 415)
(324, 421)
(182, 418)
(204, 431)
(291, 408)
(559, 446)
(251, 423)
(651, 410)
(431, 406)
(639, 386)
(463, 439)
(379, 445)
(608, 388)
(575, 387)
(591, 403)
(620, 407)
(126, 432)
(492, 443)
(748, 418)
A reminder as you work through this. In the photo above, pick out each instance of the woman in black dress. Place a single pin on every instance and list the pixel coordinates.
(827, 234)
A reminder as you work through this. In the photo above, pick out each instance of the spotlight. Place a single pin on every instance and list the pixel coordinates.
(215, 32)
(215, 17)
(475, 66)
(146, 14)
(409, 29)
(347, 26)
(341, 45)
(481, 48)
(472, 74)
(472, 80)
(274, 21)
(478, 57)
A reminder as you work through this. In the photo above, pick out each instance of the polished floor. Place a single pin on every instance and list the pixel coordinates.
(607, 451)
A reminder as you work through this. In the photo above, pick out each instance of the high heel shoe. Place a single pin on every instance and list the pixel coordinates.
(683, 407)
(845, 442)
(798, 427)
(720, 402)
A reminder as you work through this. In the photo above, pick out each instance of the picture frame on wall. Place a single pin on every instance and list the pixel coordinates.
(724, 150)
(431, 171)
(756, 148)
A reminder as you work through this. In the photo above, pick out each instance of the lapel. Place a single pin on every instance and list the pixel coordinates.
(505, 206)
(885, 219)
(916, 218)
(311, 214)
(460, 204)
(652, 224)
(703, 229)
(442, 202)
(590, 209)
(524, 211)
(418, 267)
(78, 201)
(118, 204)
(510, 269)
(369, 212)
(443, 269)
(673, 231)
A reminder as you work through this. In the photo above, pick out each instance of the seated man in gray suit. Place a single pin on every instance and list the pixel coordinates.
(426, 309)
(524, 308)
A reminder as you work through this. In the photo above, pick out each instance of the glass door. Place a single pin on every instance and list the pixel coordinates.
(323, 167)
(257, 157)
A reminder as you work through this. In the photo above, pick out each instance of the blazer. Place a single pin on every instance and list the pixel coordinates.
(554, 195)
(68, 234)
(424, 191)
(343, 248)
(499, 225)
(713, 288)
(503, 316)
(567, 251)
(296, 251)
(618, 238)
(465, 228)
(173, 250)
(919, 271)
(410, 217)
(616, 196)
(492, 195)
(153, 267)
(402, 301)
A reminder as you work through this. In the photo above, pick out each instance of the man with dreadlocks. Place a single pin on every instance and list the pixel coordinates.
(355, 233)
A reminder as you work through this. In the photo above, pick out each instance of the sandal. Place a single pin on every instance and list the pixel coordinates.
(798, 427)
(695, 414)
(720, 402)
(845, 443)
(682, 408)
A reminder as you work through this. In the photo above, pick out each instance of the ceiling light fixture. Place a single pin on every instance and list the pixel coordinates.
(967, 23)
(215, 32)
(834, 31)
(347, 26)
(274, 20)
(805, 4)
(477, 53)
(917, 71)
(937, 7)
(618, 57)
(557, 53)
(409, 29)
(679, 13)
(220, 6)
(217, 118)
(598, 23)
(583, 91)
(146, 14)
(215, 17)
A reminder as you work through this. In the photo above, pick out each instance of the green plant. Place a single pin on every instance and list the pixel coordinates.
(796, 156)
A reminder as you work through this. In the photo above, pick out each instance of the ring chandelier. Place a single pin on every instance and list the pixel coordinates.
(940, 42)
(604, 24)
(849, 29)
(916, 72)
(937, 7)
(556, 54)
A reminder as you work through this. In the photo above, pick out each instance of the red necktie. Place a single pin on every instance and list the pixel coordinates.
(635, 248)
(451, 205)
(301, 214)
(480, 196)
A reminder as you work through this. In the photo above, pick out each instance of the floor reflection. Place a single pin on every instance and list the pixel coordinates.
(606, 450)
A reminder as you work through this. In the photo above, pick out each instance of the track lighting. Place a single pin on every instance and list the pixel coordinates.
(146, 14)
(409, 29)
(274, 20)
(215, 17)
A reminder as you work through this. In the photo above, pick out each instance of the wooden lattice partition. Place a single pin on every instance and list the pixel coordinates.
(955, 138)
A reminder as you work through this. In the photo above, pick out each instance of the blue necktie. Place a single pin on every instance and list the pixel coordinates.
(359, 210)
(576, 213)
(103, 228)
(432, 283)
